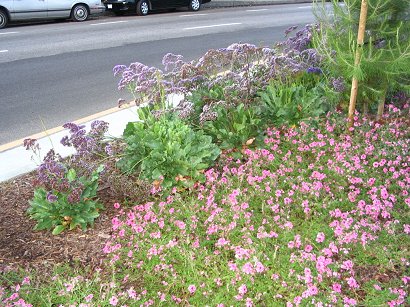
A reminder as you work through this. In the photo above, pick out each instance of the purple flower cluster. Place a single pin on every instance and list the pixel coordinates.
(90, 149)
(302, 38)
(85, 143)
(240, 70)
(338, 84)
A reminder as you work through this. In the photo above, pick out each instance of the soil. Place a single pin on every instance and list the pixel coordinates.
(22, 247)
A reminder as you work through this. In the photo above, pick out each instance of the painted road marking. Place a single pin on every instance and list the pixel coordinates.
(4, 51)
(259, 10)
(192, 15)
(305, 7)
(213, 26)
(6, 33)
(107, 23)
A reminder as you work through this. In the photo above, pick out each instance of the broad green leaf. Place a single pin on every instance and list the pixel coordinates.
(58, 229)
(71, 175)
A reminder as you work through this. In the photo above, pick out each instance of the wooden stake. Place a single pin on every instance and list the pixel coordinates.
(359, 49)
(380, 108)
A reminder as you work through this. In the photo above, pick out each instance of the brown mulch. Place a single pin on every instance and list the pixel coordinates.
(22, 247)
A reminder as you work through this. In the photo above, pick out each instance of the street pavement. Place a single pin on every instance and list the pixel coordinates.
(15, 160)
(234, 3)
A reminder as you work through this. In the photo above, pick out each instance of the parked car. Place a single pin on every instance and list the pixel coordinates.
(142, 7)
(77, 10)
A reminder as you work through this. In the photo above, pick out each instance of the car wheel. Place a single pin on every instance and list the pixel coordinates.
(142, 8)
(194, 5)
(79, 13)
(4, 19)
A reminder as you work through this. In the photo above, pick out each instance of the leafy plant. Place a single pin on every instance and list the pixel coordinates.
(232, 126)
(167, 150)
(290, 104)
(61, 209)
(67, 187)
(385, 54)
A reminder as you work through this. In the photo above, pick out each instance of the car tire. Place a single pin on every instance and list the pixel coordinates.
(79, 13)
(195, 5)
(4, 19)
(142, 8)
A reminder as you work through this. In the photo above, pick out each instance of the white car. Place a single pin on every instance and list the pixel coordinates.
(12, 10)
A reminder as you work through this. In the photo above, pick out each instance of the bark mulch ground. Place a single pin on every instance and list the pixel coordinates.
(22, 247)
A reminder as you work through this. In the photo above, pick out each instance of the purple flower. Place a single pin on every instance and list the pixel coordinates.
(338, 84)
(73, 127)
(118, 69)
(51, 197)
(290, 29)
(314, 70)
(31, 144)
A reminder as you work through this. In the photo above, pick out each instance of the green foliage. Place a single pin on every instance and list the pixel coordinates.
(167, 149)
(291, 103)
(385, 54)
(233, 126)
(204, 96)
(59, 212)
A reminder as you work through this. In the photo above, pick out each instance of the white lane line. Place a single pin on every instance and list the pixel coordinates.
(213, 26)
(4, 51)
(259, 10)
(5, 33)
(305, 7)
(107, 23)
(192, 15)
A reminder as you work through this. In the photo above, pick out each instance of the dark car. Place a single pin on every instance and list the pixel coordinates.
(142, 7)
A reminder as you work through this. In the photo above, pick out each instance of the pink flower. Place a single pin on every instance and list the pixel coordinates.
(249, 302)
(69, 287)
(320, 237)
(117, 205)
(221, 242)
(26, 281)
(337, 287)
(377, 287)
(113, 301)
(248, 268)
(88, 298)
(308, 248)
(242, 289)
(352, 282)
(131, 293)
(384, 193)
(191, 289)
(259, 267)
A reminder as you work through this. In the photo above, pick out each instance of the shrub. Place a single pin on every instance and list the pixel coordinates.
(231, 126)
(167, 150)
(69, 204)
(66, 188)
(294, 100)
(385, 57)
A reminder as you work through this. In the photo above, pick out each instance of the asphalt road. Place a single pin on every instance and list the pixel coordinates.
(52, 73)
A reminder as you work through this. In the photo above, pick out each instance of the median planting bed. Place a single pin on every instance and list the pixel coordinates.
(249, 192)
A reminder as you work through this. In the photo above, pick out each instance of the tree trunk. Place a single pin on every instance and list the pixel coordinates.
(366, 108)
(380, 108)
(355, 81)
